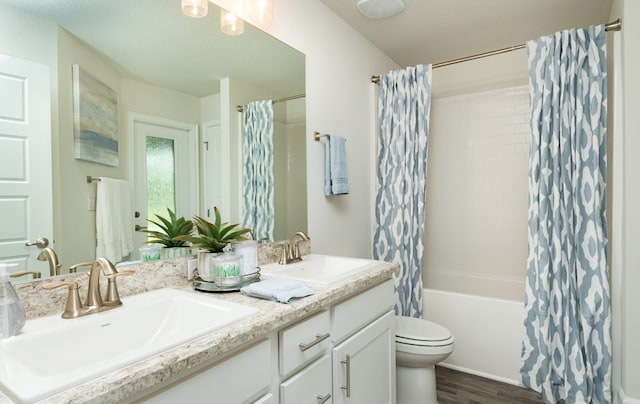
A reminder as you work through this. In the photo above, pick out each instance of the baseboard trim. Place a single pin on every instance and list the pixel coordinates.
(483, 374)
(626, 400)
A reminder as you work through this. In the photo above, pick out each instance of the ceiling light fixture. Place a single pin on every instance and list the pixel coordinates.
(230, 23)
(259, 12)
(195, 8)
(378, 9)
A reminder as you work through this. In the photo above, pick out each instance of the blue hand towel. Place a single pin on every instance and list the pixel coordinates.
(327, 166)
(336, 178)
(277, 289)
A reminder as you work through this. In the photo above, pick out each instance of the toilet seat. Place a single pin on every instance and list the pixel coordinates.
(419, 332)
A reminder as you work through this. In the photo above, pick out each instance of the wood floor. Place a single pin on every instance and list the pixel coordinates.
(456, 387)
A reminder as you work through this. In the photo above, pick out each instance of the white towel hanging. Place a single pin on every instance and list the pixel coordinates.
(114, 219)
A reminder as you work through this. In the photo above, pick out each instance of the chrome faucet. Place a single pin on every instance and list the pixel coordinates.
(94, 303)
(291, 250)
(49, 255)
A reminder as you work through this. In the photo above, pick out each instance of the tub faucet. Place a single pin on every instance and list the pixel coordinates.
(49, 255)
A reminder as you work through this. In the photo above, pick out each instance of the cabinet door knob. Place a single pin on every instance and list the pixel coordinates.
(319, 339)
(323, 399)
(347, 364)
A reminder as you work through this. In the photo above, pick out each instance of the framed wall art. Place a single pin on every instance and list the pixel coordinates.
(95, 119)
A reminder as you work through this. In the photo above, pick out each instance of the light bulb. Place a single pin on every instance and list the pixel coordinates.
(259, 12)
(231, 24)
(195, 8)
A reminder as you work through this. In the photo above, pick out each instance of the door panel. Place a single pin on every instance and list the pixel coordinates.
(215, 187)
(364, 365)
(25, 152)
(165, 159)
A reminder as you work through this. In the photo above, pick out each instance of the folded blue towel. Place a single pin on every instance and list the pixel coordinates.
(336, 179)
(277, 289)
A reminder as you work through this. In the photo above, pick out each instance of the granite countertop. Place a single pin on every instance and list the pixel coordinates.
(142, 375)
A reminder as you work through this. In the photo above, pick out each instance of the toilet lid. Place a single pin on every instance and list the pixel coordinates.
(417, 331)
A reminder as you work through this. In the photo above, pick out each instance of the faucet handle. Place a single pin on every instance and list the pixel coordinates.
(113, 297)
(35, 274)
(74, 268)
(73, 307)
(285, 255)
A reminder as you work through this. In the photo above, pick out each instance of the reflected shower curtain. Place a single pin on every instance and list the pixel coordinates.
(257, 145)
(403, 111)
(566, 352)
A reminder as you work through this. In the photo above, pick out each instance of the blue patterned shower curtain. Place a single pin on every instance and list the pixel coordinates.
(566, 352)
(403, 111)
(257, 145)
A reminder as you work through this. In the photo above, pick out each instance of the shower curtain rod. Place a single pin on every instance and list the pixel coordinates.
(283, 99)
(612, 26)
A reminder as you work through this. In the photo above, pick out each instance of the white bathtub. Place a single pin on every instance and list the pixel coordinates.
(487, 332)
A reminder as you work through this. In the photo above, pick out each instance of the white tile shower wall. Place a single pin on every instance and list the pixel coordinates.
(476, 207)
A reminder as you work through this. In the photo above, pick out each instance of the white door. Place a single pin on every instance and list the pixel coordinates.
(25, 168)
(215, 187)
(364, 365)
(165, 170)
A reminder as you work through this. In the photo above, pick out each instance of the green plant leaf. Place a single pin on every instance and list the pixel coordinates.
(170, 230)
(215, 236)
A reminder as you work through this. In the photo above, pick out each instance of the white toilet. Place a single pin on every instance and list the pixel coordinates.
(420, 345)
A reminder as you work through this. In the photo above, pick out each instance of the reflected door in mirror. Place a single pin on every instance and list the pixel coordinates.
(25, 172)
(164, 155)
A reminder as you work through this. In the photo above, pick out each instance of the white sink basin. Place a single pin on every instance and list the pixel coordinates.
(319, 270)
(52, 354)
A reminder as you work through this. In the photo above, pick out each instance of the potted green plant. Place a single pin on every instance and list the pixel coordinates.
(169, 235)
(213, 237)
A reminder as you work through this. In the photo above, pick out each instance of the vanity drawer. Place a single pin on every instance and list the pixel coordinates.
(310, 385)
(355, 313)
(303, 342)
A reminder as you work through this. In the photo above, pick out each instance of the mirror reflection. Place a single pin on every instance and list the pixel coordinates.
(178, 82)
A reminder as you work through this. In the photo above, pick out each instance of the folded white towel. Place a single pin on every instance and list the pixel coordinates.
(277, 289)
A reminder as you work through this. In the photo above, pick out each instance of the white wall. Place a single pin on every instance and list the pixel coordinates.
(76, 243)
(339, 65)
(625, 260)
(290, 168)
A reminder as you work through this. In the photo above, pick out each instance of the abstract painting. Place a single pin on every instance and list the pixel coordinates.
(95, 119)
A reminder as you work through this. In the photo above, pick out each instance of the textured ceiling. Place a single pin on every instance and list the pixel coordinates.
(432, 31)
(152, 41)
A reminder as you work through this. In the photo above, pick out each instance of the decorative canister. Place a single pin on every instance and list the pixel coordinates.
(248, 250)
(150, 253)
(213, 267)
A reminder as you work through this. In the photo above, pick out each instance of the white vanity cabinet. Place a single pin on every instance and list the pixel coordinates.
(243, 378)
(311, 385)
(355, 344)
(364, 365)
(364, 356)
(300, 346)
(342, 354)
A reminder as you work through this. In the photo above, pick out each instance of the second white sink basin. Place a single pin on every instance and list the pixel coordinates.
(319, 270)
(52, 354)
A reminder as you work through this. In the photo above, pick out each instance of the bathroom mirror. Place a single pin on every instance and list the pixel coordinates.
(152, 44)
